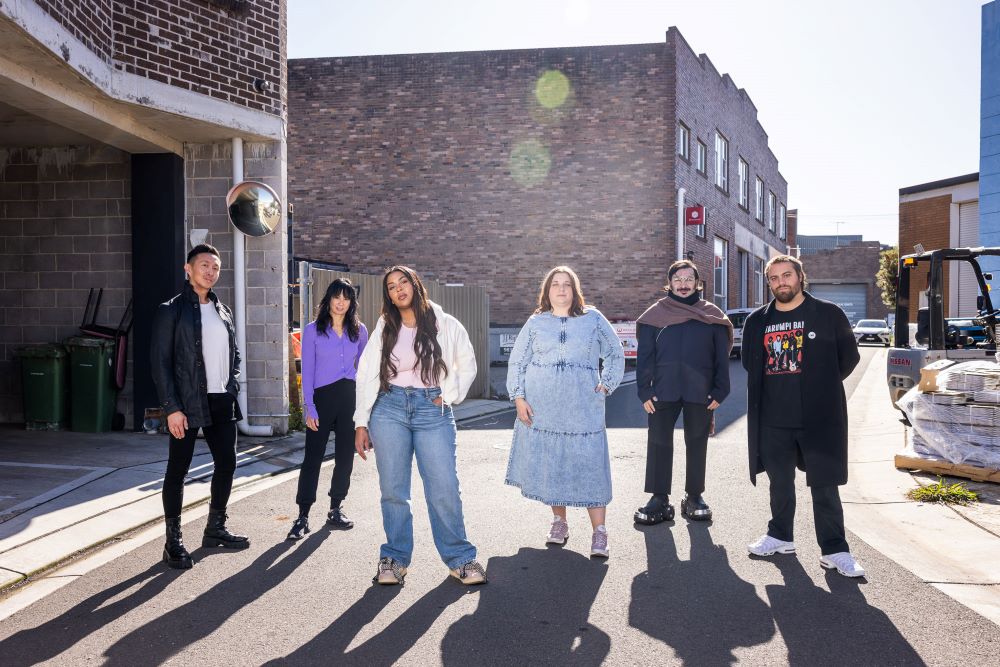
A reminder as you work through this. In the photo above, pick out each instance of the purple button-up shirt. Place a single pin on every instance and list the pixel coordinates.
(327, 359)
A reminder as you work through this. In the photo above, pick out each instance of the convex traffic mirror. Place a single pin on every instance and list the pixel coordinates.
(254, 208)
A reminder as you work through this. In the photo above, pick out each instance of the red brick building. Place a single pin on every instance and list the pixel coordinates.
(489, 168)
(117, 121)
(942, 214)
(845, 275)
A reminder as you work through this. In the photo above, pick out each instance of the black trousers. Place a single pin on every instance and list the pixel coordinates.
(779, 452)
(335, 409)
(660, 446)
(221, 440)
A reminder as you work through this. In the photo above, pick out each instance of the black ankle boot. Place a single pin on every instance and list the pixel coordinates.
(174, 553)
(300, 528)
(657, 510)
(216, 534)
(695, 508)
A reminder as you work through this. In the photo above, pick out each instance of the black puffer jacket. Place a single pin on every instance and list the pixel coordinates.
(178, 368)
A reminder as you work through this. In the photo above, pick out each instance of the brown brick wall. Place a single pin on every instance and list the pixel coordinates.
(707, 102)
(199, 46)
(856, 263)
(65, 226)
(87, 20)
(926, 221)
(407, 159)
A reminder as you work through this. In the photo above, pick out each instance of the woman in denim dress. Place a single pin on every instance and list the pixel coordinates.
(567, 359)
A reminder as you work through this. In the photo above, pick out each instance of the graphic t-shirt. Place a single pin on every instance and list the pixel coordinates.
(781, 400)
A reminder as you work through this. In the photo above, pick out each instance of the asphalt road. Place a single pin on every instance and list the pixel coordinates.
(670, 594)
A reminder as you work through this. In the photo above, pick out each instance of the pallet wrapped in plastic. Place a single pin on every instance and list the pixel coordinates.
(961, 422)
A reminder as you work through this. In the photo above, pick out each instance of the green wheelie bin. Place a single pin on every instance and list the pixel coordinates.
(45, 387)
(92, 396)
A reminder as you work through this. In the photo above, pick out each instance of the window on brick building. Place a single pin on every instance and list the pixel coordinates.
(721, 161)
(782, 222)
(701, 163)
(721, 273)
(770, 211)
(683, 141)
(759, 205)
(758, 281)
(744, 184)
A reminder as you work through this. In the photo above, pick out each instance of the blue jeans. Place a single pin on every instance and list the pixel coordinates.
(404, 422)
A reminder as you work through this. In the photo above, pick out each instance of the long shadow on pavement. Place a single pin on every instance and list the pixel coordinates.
(159, 640)
(44, 642)
(699, 607)
(535, 610)
(835, 627)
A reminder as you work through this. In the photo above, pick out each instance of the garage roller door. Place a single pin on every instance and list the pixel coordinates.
(852, 298)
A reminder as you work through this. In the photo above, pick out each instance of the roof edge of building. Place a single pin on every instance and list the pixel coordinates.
(935, 185)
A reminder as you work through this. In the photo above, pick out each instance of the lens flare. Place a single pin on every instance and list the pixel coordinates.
(552, 89)
(530, 162)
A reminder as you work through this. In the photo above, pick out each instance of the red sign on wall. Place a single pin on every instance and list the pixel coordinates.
(694, 215)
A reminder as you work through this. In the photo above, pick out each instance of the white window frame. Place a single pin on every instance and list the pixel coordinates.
(759, 205)
(683, 141)
(744, 174)
(770, 211)
(701, 163)
(720, 274)
(782, 222)
(721, 161)
(758, 281)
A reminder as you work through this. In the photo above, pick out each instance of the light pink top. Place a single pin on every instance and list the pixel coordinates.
(405, 357)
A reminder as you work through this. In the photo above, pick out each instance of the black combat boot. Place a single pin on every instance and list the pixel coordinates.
(216, 534)
(695, 508)
(657, 510)
(174, 553)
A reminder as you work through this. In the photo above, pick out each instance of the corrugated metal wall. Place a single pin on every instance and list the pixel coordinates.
(470, 305)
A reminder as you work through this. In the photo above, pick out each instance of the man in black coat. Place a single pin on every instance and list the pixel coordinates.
(797, 351)
(196, 368)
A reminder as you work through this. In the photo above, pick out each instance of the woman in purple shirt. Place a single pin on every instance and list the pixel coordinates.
(331, 347)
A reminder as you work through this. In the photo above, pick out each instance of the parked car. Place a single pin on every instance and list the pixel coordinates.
(738, 316)
(873, 331)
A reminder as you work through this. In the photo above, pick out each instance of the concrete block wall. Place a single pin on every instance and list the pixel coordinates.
(208, 177)
(65, 226)
(450, 163)
(707, 101)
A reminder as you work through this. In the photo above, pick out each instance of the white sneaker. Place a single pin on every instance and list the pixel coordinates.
(844, 563)
(768, 546)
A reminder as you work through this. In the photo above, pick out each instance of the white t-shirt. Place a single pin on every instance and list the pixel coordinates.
(214, 348)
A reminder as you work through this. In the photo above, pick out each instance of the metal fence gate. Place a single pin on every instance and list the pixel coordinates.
(470, 305)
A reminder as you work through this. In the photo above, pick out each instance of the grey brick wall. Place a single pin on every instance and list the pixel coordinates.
(208, 177)
(65, 227)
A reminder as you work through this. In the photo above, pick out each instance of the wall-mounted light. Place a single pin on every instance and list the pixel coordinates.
(261, 86)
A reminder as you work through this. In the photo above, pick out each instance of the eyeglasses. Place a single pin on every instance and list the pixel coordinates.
(683, 281)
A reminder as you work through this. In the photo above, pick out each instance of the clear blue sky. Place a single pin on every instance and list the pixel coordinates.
(859, 98)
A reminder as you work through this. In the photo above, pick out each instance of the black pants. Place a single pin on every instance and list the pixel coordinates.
(660, 446)
(779, 452)
(335, 408)
(221, 440)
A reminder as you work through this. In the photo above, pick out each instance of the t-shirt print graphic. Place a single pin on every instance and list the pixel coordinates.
(783, 348)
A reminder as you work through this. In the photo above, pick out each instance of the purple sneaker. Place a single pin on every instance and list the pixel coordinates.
(558, 532)
(599, 544)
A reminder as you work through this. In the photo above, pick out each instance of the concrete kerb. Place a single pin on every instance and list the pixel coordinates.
(934, 542)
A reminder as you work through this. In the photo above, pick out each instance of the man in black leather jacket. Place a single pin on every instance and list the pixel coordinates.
(196, 366)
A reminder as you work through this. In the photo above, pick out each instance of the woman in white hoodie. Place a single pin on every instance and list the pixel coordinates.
(418, 363)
